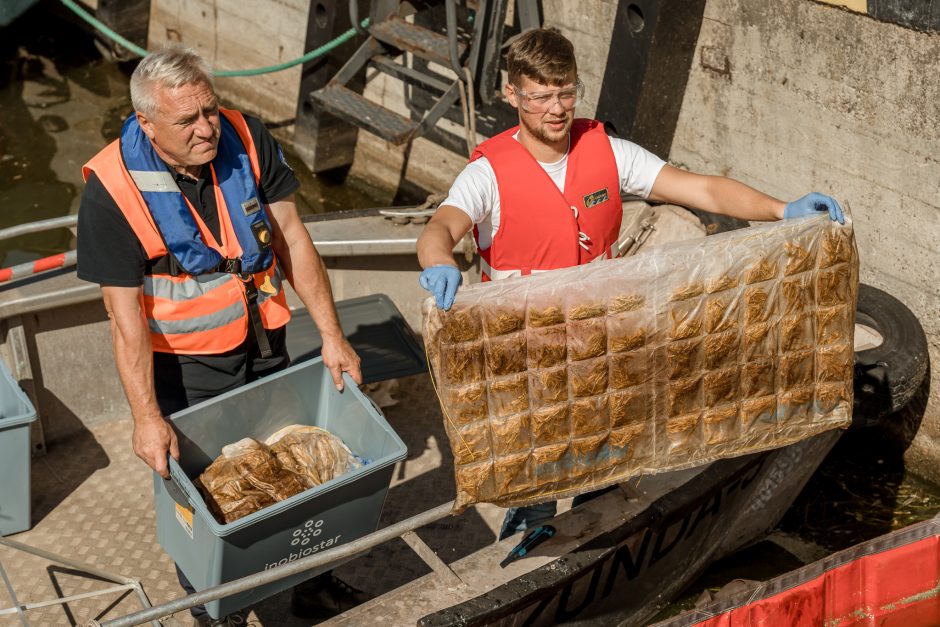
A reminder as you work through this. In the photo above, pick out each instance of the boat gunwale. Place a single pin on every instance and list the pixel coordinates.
(886, 543)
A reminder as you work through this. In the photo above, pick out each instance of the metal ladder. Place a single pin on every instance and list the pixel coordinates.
(389, 36)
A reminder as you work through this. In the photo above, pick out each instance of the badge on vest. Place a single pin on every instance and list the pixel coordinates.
(262, 234)
(251, 207)
(595, 198)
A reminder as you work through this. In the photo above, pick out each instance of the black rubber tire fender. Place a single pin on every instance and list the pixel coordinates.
(888, 375)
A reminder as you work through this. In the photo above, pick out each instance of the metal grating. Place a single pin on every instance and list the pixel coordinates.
(355, 109)
(416, 39)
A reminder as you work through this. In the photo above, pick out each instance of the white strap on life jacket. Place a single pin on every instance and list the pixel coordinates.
(497, 274)
(154, 181)
(584, 241)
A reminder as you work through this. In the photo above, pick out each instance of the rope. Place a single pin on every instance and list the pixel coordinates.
(472, 108)
(141, 52)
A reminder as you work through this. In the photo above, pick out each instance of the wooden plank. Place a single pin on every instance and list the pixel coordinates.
(427, 554)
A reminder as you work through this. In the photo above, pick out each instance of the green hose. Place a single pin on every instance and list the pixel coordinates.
(313, 54)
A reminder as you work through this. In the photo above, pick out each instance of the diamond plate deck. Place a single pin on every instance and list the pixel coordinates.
(93, 502)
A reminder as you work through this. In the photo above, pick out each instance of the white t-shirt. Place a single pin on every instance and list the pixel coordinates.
(475, 190)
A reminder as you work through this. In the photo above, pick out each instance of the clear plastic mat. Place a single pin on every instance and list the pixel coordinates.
(568, 381)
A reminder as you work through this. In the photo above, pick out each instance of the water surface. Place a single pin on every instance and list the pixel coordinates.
(61, 101)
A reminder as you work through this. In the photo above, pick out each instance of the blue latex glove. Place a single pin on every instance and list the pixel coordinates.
(811, 203)
(442, 281)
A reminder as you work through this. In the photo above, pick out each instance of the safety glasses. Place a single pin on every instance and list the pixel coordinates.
(541, 101)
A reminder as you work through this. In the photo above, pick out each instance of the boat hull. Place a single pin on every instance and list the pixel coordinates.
(626, 573)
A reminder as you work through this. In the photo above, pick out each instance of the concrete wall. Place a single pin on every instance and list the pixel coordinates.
(237, 35)
(589, 25)
(234, 35)
(792, 96)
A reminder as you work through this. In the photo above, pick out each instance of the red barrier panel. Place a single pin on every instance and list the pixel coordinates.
(895, 587)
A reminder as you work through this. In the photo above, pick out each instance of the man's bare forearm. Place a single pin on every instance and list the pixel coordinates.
(737, 200)
(153, 436)
(306, 272)
(303, 267)
(715, 194)
(307, 275)
(133, 357)
(436, 246)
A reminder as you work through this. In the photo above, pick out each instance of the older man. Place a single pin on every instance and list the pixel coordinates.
(188, 224)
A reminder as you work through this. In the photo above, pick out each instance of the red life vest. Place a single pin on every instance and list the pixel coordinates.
(193, 315)
(540, 227)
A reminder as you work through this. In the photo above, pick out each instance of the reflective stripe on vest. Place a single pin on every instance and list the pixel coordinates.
(206, 313)
(153, 181)
(193, 287)
(161, 286)
(542, 228)
(196, 324)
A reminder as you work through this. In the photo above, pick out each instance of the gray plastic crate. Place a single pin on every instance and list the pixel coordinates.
(328, 515)
(16, 414)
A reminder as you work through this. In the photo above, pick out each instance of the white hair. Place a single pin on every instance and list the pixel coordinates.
(169, 67)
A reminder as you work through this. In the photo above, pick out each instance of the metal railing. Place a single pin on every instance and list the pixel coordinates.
(65, 222)
(400, 529)
(52, 262)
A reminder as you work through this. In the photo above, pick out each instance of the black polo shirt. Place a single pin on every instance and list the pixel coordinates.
(109, 252)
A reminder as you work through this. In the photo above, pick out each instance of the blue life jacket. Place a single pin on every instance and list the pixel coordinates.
(157, 185)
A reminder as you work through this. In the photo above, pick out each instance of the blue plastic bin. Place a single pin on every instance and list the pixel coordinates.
(16, 414)
(328, 515)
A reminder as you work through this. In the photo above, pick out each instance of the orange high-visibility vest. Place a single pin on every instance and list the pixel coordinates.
(194, 315)
(541, 228)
